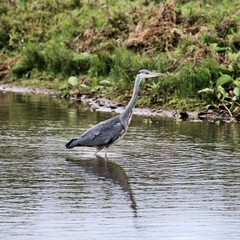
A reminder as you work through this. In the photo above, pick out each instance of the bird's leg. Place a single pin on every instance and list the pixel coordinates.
(97, 150)
(106, 150)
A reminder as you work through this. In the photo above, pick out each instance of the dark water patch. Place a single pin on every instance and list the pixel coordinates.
(165, 179)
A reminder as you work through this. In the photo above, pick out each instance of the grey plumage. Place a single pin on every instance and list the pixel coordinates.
(107, 132)
(100, 135)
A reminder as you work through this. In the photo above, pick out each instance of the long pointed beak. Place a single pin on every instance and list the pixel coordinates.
(155, 74)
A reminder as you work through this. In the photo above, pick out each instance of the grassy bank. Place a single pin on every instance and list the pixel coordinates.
(97, 47)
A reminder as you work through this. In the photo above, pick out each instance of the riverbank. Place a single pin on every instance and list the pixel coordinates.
(102, 104)
(93, 47)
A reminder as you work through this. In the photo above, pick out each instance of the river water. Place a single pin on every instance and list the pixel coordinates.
(164, 180)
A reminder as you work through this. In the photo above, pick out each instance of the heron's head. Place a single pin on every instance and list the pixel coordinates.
(144, 73)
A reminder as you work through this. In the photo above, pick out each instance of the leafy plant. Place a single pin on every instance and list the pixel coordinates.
(78, 86)
(224, 95)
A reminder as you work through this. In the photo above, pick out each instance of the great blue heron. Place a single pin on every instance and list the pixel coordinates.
(107, 132)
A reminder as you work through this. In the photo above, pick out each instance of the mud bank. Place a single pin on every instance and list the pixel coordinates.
(106, 105)
(30, 90)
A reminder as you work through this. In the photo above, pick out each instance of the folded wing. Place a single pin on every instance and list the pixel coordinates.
(103, 134)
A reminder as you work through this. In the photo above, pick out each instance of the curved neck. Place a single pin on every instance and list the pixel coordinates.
(127, 112)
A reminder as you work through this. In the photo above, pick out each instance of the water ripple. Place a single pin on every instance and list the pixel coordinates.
(165, 180)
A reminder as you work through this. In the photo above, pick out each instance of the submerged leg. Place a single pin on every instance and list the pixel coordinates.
(106, 151)
(98, 149)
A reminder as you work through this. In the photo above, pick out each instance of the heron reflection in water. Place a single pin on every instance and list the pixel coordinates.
(105, 133)
(108, 170)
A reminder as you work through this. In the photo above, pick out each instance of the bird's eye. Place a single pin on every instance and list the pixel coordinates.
(143, 71)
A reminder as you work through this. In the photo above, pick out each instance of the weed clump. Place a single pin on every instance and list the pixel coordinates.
(160, 32)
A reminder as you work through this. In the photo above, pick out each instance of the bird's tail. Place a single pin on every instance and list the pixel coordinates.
(71, 143)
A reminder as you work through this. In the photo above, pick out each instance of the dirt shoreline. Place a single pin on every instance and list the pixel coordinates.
(105, 105)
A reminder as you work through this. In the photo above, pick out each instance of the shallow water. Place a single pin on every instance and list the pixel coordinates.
(164, 180)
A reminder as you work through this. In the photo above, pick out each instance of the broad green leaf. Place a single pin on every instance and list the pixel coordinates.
(237, 83)
(221, 90)
(207, 90)
(105, 83)
(224, 80)
(73, 81)
(219, 95)
(85, 87)
(236, 91)
(63, 86)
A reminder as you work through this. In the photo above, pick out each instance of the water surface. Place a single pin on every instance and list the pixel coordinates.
(164, 180)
